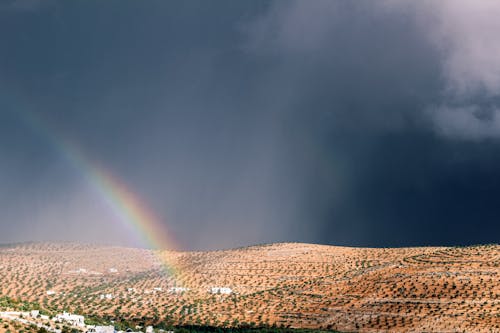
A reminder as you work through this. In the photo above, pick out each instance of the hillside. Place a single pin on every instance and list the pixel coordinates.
(438, 289)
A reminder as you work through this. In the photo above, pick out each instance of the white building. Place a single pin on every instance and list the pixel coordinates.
(221, 290)
(177, 290)
(51, 292)
(72, 319)
(101, 329)
(106, 296)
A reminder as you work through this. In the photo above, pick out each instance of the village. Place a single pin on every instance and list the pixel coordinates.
(72, 323)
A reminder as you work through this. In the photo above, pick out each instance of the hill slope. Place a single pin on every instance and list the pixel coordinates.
(298, 285)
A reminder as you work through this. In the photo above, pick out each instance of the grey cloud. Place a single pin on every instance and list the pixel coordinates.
(247, 122)
(470, 122)
(467, 31)
(466, 34)
(342, 52)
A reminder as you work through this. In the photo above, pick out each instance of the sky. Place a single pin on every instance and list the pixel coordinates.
(355, 123)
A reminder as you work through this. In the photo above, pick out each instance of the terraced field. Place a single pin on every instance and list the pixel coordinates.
(455, 289)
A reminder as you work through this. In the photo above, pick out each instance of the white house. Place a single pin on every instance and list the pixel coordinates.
(106, 296)
(221, 290)
(72, 319)
(101, 329)
(177, 290)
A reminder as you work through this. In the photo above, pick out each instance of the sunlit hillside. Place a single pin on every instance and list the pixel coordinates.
(446, 289)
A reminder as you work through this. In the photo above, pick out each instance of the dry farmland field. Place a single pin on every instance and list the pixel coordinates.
(426, 289)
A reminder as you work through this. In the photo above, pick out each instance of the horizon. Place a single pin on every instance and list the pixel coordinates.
(201, 126)
(110, 245)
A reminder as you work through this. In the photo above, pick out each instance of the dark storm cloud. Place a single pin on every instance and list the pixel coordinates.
(248, 122)
(465, 34)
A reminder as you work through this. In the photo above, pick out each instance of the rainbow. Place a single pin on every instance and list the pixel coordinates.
(125, 204)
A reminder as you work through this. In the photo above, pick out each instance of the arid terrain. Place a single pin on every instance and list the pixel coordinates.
(425, 289)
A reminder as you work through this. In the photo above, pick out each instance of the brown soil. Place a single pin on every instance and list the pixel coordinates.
(426, 289)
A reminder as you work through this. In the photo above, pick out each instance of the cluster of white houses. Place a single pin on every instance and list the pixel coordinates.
(50, 324)
(72, 319)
